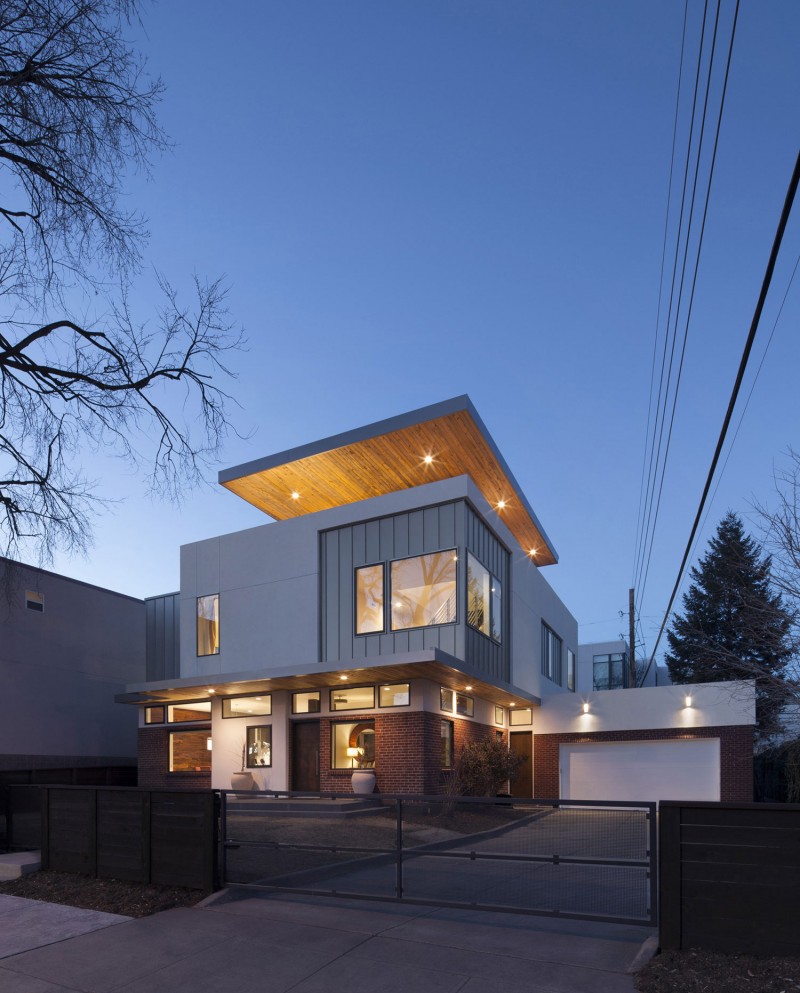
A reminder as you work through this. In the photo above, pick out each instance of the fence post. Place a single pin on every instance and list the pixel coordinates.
(399, 843)
(669, 871)
(654, 867)
(223, 831)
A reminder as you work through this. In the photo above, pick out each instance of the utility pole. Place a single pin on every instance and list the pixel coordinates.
(632, 638)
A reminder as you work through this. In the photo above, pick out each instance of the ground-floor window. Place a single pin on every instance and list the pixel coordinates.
(259, 746)
(189, 751)
(353, 745)
(447, 744)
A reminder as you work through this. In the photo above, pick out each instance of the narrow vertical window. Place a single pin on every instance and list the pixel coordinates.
(208, 624)
(478, 603)
(570, 670)
(447, 744)
(497, 609)
(369, 599)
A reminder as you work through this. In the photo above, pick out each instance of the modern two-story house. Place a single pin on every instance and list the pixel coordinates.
(394, 609)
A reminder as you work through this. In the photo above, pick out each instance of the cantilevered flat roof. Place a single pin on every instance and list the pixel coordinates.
(437, 442)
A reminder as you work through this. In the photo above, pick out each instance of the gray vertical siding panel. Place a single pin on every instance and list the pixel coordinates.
(346, 594)
(332, 604)
(373, 533)
(387, 538)
(162, 646)
(431, 537)
(400, 536)
(416, 543)
(359, 545)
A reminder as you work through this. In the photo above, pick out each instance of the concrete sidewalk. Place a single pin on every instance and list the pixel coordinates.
(280, 943)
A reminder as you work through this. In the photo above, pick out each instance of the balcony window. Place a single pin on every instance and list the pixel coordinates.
(369, 599)
(424, 590)
(208, 625)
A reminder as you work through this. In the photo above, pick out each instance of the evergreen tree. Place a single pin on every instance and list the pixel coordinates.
(734, 626)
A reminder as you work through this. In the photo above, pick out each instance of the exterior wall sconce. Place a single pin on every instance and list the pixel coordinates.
(687, 700)
(586, 707)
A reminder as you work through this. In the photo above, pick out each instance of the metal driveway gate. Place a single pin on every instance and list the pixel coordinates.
(565, 858)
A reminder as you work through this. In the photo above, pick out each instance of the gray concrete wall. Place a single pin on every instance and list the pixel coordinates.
(61, 668)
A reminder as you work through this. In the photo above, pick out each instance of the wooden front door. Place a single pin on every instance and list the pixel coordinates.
(522, 745)
(305, 756)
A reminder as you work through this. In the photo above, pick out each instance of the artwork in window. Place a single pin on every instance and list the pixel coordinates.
(394, 695)
(447, 744)
(189, 752)
(369, 599)
(465, 705)
(424, 590)
(499, 715)
(208, 624)
(446, 699)
(154, 715)
(353, 745)
(522, 715)
(247, 706)
(259, 746)
(190, 710)
(478, 596)
(353, 698)
(34, 601)
(306, 703)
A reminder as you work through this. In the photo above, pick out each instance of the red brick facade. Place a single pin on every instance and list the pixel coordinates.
(736, 756)
(154, 763)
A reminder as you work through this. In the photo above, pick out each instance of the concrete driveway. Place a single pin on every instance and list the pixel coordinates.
(278, 944)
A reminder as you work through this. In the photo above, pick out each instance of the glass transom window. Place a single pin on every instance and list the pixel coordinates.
(192, 710)
(353, 698)
(247, 706)
(424, 590)
(394, 695)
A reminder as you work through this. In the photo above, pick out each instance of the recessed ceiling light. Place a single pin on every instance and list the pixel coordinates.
(295, 495)
(532, 553)
(468, 686)
(342, 677)
(428, 459)
(501, 504)
(211, 691)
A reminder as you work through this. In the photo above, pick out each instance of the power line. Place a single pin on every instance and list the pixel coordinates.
(787, 208)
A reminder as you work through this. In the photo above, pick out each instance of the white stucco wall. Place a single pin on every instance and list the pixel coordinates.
(712, 704)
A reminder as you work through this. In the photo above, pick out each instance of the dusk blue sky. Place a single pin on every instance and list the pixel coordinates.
(414, 200)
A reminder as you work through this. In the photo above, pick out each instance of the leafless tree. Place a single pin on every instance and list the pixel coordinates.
(78, 369)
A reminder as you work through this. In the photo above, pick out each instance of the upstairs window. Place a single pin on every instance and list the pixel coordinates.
(551, 654)
(424, 590)
(369, 599)
(610, 671)
(484, 600)
(208, 624)
(570, 670)
(34, 601)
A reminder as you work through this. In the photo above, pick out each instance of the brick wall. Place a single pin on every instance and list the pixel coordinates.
(736, 756)
(407, 752)
(154, 763)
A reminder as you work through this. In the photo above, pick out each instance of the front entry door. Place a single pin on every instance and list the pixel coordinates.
(305, 756)
(522, 746)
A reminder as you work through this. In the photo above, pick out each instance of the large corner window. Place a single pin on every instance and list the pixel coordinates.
(369, 599)
(551, 654)
(189, 751)
(423, 590)
(484, 600)
(353, 745)
(208, 624)
(610, 671)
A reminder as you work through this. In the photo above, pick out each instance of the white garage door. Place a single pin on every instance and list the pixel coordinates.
(641, 770)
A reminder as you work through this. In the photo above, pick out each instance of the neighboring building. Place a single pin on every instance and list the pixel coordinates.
(66, 649)
(605, 665)
(395, 610)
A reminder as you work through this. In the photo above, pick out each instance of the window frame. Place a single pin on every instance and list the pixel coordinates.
(500, 715)
(406, 558)
(245, 696)
(162, 720)
(257, 727)
(552, 668)
(469, 705)
(311, 694)
(206, 733)
(386, 686)
(368, 724)
(571, 670)
(189, 720)
(494, 602)
(334, 709)
(522, 711)
(442, 705)
(356, 570)
(208, 596)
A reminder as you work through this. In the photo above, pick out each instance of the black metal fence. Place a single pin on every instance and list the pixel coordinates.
(557, 858)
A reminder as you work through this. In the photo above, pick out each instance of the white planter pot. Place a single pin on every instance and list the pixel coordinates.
(243, 782)
(363, 780)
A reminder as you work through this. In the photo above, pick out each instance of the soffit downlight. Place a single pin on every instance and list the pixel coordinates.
(433, 443)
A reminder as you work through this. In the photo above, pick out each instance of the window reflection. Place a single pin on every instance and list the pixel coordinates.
(424, 590)
(369, 599)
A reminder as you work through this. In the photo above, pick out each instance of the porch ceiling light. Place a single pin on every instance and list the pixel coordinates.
(210, 690)
(468, 686)
(295, 495)
(501, 505)
(343, 678)
(428, 460)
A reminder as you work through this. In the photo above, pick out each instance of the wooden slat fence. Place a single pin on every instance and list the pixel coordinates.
(150, 836)
(730, 875)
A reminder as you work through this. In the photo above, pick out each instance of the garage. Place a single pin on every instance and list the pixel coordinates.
(686, 769)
